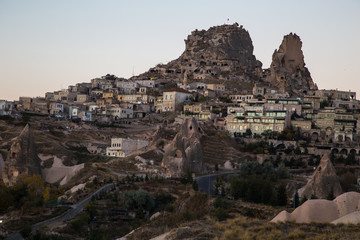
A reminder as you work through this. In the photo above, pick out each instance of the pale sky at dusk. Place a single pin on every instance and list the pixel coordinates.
(48, 45)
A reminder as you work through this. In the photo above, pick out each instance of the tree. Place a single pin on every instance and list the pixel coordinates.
(195, 186)
(283, 171)
(236, 187)
(324, 103)
(303, 199)
(330, 196)
(269, 171)
(282, 196)
(46, 194)
(296, 200)
(350, 159)
(248, 132)
(274, 197)
(26, 231)
(139, 199)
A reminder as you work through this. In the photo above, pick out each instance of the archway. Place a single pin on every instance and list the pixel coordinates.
(335, 151)
(314, 136)
(344, 151)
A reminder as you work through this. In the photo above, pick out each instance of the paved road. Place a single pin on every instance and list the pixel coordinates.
(69, 214)
(206, 183)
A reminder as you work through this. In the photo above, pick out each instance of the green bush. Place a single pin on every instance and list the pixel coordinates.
(26, 231)
(221, 203)
(140, 199)
(220, 214)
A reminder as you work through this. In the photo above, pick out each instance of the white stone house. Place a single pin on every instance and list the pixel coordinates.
(56, 108)
(146, 83)
(121, 147)
(6, 107)
(120, 112)
(172, 98)
(73, 111)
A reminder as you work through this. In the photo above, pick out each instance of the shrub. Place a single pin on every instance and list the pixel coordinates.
(26, 231)
(220, 214)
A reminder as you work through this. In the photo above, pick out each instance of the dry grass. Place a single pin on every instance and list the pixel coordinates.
(244, 228)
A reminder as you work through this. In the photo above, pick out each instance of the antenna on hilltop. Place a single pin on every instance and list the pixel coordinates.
(133, 74)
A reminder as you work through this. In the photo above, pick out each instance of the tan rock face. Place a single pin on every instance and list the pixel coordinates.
(22, 158)
(343, 209)
(323, 181)
(287, 70)
(184, 152)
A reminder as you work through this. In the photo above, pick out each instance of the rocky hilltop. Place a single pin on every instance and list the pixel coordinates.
(219, 53)
(287, 70)
(224, 54)
(22, 159)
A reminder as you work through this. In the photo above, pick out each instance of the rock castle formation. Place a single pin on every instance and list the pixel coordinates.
(184, 153)
(22, 159)
(224, 54)
(221, 52)
(287, 70)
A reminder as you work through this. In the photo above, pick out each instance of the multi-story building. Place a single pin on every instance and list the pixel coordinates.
(216, 87)
(82, 98)
(172, 98)
(56, 108)
(241, 98)
(25, 102)
(126, 87)
(290, 105)
(311, 101)
(335, 94)
(118, 112)
(258, 122)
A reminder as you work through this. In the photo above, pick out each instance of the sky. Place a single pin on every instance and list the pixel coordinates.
(48, 45)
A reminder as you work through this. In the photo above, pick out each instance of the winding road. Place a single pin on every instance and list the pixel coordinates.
(69, 214)
(206, 183)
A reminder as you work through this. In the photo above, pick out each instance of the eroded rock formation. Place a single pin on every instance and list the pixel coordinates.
(224, 54)
(221, 52)
(287, 70)
(343, 209)
(324, 180)
(184, 153)
(22, 159)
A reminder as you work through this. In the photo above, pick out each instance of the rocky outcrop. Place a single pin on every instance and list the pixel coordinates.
(184, 153)
(22, 159)
(221, 53)
(324, 180)
(287, 71)
(224, 54)
(343, 209)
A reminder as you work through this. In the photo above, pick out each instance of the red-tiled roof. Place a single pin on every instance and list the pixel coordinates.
(177, 90)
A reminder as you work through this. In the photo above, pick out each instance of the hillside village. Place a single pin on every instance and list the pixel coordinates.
(326, 117)
(208, 146)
